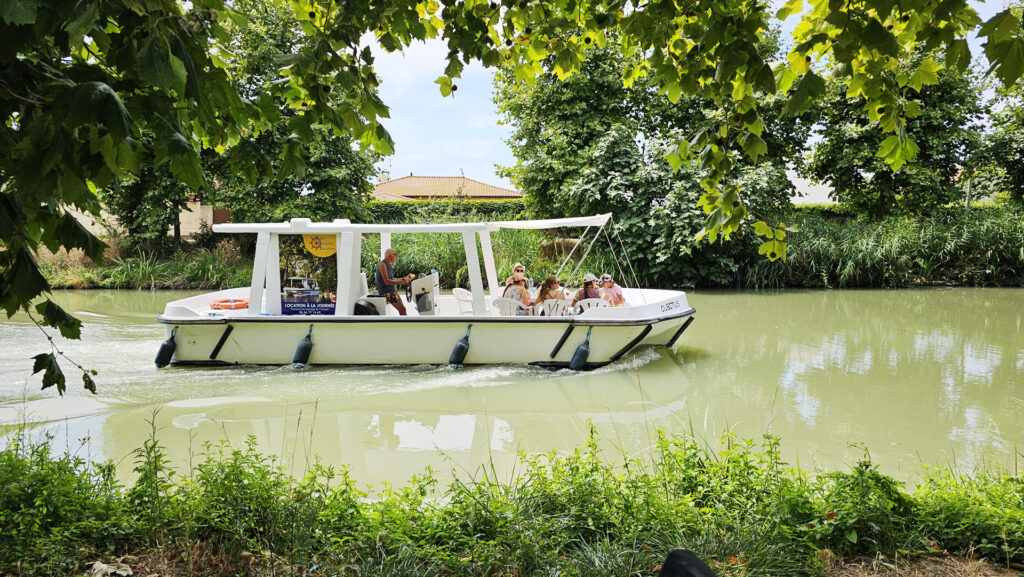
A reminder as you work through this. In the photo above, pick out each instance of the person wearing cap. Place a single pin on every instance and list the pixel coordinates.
(611, 292)
(589, 290)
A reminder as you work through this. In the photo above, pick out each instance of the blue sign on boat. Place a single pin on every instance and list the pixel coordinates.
(307, 308)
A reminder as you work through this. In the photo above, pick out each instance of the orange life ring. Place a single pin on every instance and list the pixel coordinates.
(230, 304)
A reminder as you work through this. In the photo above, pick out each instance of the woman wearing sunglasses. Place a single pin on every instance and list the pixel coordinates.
(517, 268)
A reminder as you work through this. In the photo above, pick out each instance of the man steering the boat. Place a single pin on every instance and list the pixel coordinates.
(386, 283)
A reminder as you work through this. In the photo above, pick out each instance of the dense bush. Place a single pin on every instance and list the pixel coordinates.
(224, 266)
(739, 507)
(52, 507)
(974, 247)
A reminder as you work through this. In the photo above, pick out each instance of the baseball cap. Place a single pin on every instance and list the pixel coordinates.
(607, 278)
(589, 277)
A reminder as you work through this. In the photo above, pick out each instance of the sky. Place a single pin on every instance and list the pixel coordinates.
(437, 136)
(460, 134)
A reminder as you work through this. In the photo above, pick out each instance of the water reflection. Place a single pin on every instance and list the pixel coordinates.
(915, 376)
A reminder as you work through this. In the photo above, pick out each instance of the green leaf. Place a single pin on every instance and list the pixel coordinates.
(1000, 27)
(159, 67)
(52, 375)
(1007, 59)
(12, 218)
(851, 536)
(761, 228)
(54, 316)
(882, 7)
(926, 73)
(674, 160)
(765, 80)
(82, 23)
(446, 85)
(71, 234)
(18, 12)
(784, 77)
(789, 8)
(91, 103)
(811, 86)
(753, 145)
(898, 150)
(25, 282)
(491, 58)
(958, 55)
(887, 146)
(875, 36)
(773, 249)
(182, 160)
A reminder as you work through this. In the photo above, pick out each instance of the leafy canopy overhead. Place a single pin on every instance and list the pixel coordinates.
(81, 81)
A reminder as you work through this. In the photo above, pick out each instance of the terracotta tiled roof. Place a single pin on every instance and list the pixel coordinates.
(427, 187)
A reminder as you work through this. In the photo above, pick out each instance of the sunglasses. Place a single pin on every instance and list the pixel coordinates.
(520, 270)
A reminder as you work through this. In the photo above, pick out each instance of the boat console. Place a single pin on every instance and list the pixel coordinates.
(424, 292)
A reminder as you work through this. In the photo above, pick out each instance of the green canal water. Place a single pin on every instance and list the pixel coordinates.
(916, 377)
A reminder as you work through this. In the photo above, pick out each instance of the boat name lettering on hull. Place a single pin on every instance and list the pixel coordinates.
(669, 306)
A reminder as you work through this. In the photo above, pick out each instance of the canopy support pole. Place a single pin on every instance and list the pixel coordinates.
(272, 296)
(259, 273)
(476, 284)
(489, 268)
(385, 243)
(349, 284)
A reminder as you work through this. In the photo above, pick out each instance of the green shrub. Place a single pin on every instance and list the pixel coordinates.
(982, 513)
(582, 513)
(53, 505)
(863, 513)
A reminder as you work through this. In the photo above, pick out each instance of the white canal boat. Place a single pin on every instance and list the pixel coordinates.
(252, 325)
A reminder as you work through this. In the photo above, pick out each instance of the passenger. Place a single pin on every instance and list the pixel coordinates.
(516, 268)
(589, 290)
(516, 291)
(612, 292)
(550, 289)
(386, 283)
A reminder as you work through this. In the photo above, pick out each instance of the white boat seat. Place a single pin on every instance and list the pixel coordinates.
(464, 298)
(554, 308)
(510, 307)
(587, 304)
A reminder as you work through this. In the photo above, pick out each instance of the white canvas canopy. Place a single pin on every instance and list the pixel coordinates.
(306, 226)
(266, 266)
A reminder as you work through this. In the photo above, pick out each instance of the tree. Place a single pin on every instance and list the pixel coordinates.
(1005, 146)
(81, 81)
(147, 205)
(588, 144)
(945, 120)
(332, 183)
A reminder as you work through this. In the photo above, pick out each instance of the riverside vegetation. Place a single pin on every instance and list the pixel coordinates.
(830, 247)
(738, 506)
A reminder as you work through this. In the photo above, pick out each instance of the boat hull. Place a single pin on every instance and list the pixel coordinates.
(417, 340)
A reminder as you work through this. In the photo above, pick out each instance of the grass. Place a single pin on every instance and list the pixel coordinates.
(584, 513)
